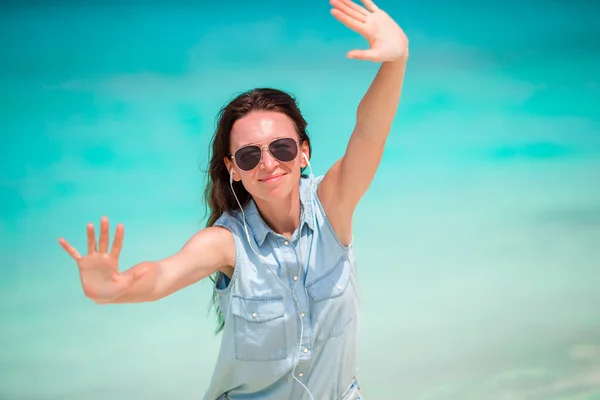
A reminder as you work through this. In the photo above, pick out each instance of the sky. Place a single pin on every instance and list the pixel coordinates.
(477, 244)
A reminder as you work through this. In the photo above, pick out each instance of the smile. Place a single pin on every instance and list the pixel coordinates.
(272, 179)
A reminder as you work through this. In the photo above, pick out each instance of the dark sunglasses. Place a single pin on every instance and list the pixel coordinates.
(248, 157)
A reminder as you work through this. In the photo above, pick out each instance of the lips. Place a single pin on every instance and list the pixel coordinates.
(273, 178)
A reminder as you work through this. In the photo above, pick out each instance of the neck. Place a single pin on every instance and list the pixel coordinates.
(282, 217)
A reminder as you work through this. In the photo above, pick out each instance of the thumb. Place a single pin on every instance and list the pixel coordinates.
(121, 279)
(361, 54)
(135, 273)
(127, 278)
(139, 272)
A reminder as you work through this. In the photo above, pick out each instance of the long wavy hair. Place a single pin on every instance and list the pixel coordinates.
(218, 196)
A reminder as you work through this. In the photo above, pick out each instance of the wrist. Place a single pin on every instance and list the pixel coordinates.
(399, 61)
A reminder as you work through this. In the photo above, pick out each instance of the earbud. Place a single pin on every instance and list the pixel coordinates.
(306, 158)
(231, 176)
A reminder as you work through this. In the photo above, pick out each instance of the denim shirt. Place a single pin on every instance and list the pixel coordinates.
(260, 342)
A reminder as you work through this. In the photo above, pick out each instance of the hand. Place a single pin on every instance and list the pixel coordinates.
(386, 39)
(99, 269)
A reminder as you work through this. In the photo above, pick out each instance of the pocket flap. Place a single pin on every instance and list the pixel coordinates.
(331, 284)
(258, 309)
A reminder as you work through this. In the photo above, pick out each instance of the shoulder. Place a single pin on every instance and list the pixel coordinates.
(233, 221)
(227, 219)
(217, 243)
(207, 251)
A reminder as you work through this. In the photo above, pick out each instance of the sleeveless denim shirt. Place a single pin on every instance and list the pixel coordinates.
(260, 342)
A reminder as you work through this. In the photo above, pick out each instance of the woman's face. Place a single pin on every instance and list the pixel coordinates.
(273, 177)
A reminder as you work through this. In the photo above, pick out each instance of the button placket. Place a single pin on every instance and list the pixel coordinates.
(306, 354)
(290, 249)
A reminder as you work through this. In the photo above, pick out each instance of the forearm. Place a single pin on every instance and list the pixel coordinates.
(202, 255)
(378, 107)
(144, 289)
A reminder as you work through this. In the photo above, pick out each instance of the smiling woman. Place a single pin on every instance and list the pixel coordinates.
(278, 243)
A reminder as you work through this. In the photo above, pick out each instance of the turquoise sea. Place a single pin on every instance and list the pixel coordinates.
(478, 243)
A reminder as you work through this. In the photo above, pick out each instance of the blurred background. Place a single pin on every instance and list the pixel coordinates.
(478, 243)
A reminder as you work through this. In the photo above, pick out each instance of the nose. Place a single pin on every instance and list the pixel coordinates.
(268, 162)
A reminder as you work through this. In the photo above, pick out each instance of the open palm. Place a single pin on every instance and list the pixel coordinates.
(99, 269)
(386, 39)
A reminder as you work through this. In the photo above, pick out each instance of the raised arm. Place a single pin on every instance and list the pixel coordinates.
(349, 178)
(208, 251)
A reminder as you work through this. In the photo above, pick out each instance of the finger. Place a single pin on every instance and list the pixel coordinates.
(69, 249)
(345, 6)
(118, 241)
(103, 235)
(362, 55)
(370, 5)
(355, 7)
(350, 22)
(91, 238)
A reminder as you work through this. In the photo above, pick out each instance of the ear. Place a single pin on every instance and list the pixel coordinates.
(306, 150)
(231, 169)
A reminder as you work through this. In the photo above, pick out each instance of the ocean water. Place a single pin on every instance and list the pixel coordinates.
(478, 243)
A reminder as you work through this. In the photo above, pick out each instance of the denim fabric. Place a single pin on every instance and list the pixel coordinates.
(260, 340)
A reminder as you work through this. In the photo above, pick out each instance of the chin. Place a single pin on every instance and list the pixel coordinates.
(277, 190)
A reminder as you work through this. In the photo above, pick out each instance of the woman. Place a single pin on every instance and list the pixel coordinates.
(278, 242)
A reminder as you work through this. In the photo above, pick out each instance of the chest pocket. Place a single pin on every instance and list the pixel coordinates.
(331, 310)
(259, 328)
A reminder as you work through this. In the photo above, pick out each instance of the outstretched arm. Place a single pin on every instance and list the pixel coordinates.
(205, 253)
(209, 250)
(348, 179)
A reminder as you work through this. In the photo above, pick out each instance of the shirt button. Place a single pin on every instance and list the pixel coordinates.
(253, 315)
(300, 374)
(305, 350)
(295, 277)
(339, 287)
(286, 242)
(302, 315)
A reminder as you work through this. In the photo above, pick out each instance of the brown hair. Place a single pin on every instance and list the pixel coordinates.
(218, 195)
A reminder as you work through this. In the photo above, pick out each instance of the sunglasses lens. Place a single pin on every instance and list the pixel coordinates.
(285, 150)
(248, 157)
